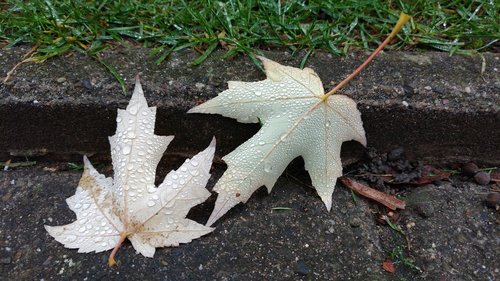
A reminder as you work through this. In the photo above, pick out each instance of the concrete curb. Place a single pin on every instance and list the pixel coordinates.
(438, 107)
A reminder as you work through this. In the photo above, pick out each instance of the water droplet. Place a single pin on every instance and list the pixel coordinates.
(97, 239)
(194, 163)
(132, 194)
(82, 229)
(131, 135)
(126, 150)
(155, 197)
(71, 238)
(174, 176)
(78, 206)
(183, 169)
(182, 181)
(151, 203)
(194, 172)
(168, 182)
(130, 167)
(283, 138)
(86, 206)
(133, 109)
(257, 93)
(118, 119)
(175, 186)
(104, 244)
(89, 226)
(151, 188)
(327, 124)
(261, 143)
(268, 168)
(103, 223)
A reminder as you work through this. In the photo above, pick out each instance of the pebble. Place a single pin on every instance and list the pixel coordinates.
(470, 169)
(354, 222)
(425, 210)
(492, 200)
(468, 90)
(482, 178)
(428, 88)
(61, 80)
(302, 268)
(395, 154)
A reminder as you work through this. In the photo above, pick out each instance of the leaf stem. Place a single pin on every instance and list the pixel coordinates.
(403, 18)
(111, 259)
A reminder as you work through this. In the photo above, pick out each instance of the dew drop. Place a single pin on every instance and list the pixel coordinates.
(175, 186)
(82, 229)
(151, 188)
(327, 124)
(155, 197)
(71, 238)
(182, 181)
(86, 206)
(168, 182)
(261, 142)
(151, 203)
(131, 135)
(78, 206)
(104, 244)
(118, 119)
(194, 163)
(183, 169)
(126, 150)
(268, 168)
(257, 93)
(97, 239)
(133, 109)
(130, 167)
(194, 172)
(103, 223)
(174, 176)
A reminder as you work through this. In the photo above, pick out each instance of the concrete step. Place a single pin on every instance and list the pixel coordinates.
(440, 108)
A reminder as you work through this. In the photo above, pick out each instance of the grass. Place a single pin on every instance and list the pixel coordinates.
(244, 26)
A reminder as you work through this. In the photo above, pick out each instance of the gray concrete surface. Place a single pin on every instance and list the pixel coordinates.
(453, 237)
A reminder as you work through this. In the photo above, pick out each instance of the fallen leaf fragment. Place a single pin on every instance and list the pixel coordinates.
(387, 200)
(388, 266)
(129, 205)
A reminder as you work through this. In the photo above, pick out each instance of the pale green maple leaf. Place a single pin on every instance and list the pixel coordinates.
(129, 205)
(298, 120)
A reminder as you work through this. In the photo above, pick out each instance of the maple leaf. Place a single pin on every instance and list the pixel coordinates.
(298, 120)
(129, 205)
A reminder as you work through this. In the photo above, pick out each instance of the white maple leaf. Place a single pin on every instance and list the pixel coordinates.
(129, 205)
(298, 120)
